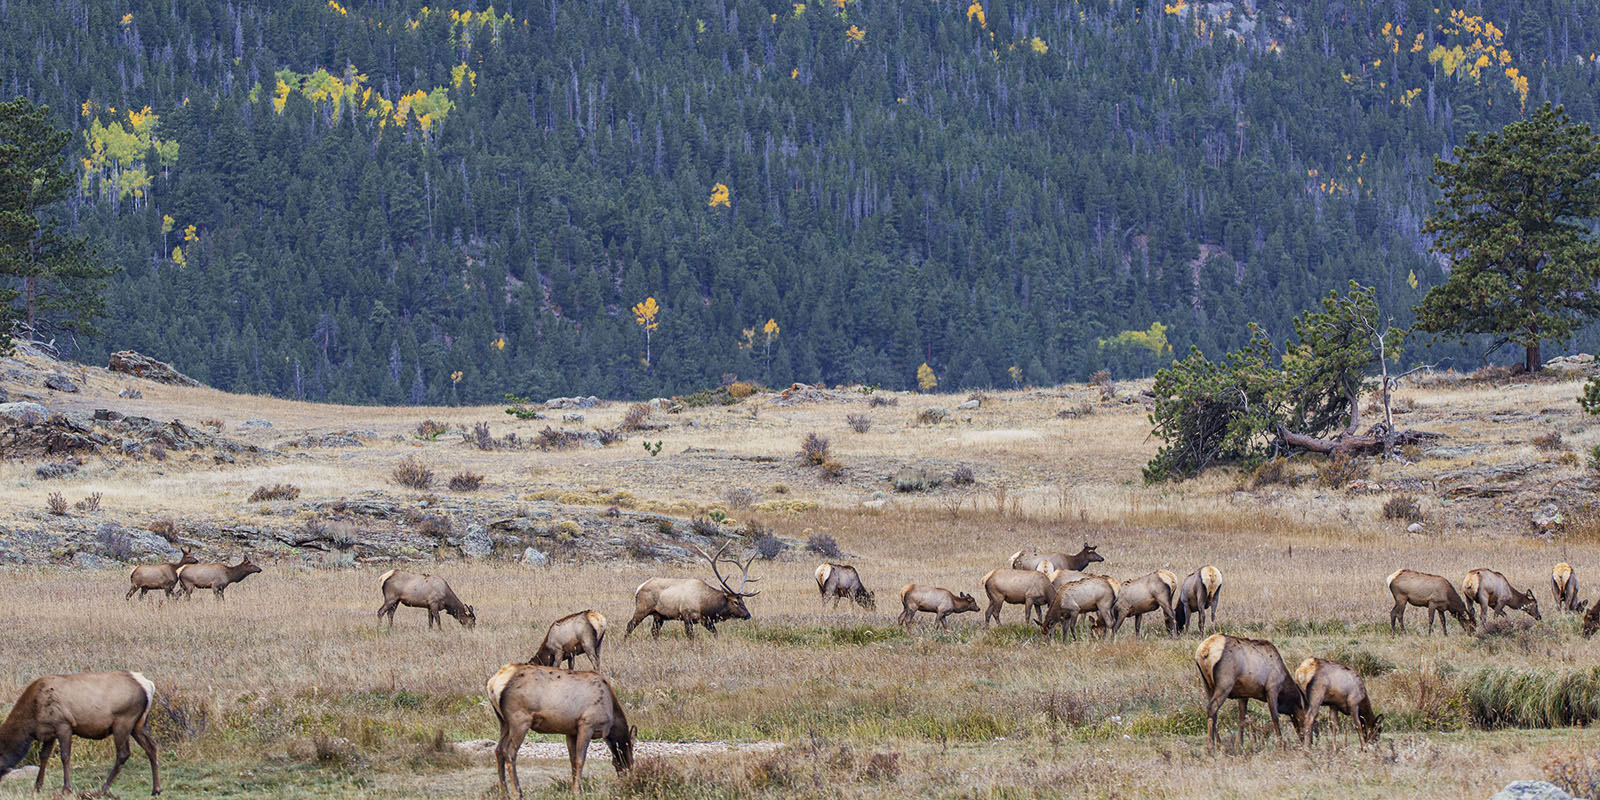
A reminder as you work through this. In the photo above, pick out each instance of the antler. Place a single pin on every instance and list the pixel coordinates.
(744, 569)
(744, 577)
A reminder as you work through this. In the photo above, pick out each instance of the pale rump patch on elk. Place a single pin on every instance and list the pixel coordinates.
(431, 592)
(1488, 590)
(1409, 587)
(216, 577)
(692, 600)
(1564, 589)
(1245, 669)
(1198, 595)
(583, 632)
(1028, 588)
(158, 577)
(1342, 690)
(941, 602)
(1144, 594)
(91, 705)
(581, 705)
(840, 581)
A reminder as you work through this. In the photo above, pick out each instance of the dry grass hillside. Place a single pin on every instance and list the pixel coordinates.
(290, 689)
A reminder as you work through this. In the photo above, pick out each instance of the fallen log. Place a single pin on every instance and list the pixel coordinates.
(1378, 440)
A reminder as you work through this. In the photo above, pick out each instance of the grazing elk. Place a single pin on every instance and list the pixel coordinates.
(412, 590)
(89, 705)
(1591, 620)
(1245, 669)
(1146, 593)
(1028, 588)
(1490, 591)
(1197, 595)
(158, 577)
(942, 602)
(581, 705)
(1564, 589)
(692, 600)
(1071, 599)
(842, 580)
(1074, 562)
(1324, 681)
(1431, 592)
(216, 577)
(583, 632)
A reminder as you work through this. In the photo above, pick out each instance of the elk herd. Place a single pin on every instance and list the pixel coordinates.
(1053, 589)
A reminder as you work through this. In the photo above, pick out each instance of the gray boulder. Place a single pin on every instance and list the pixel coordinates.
(60, 383)
(475, 543)
(534, 558)
(22, 413)
(1531, 790)
(131, 393)
(255, 424)
(21, 775)
(89, 560)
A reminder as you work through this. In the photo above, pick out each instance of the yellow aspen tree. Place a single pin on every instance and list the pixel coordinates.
(645, 314)
(771, 331)
(926, 379)
(719, 196)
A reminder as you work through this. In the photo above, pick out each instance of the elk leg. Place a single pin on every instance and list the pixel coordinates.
(992, 612)
(388, 608)
(131, 590)
(1220, 689)
(1167, 616)
(580, 754)
(44, 763)
(123, 751)
(1398, 614)
(711, 625)
(219, 588)
(1242, 703)
(1272, 708)
(1136, 619)
(511, 742)
(148, 744)
(64, 736)
(688, 630)
(1215, 597)
(1313, 702)
(655, 626)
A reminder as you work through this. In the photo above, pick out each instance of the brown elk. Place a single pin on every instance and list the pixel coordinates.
(1564, 589)
(1070, 599)
(1490, 591)
(583, 632)
(842, 580)
(942, 602)
(1245, 669)
(1591, 620)
(89, 705)
(1197, 595)
(1428, 591)
(581, 705)
(1074, 562)
(216, 577)
(1324, 681)
(1028, 588)
(1141, 595)
(412, 590)
(692, 600)
(158, 577)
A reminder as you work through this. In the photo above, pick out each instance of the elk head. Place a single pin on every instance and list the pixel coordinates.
(187, 557)
(1089, 555)
(1369, 732)
(965, 602)
(865, 599)
(1525, 602)
(735, 597)
(468, 619)
(246, 566)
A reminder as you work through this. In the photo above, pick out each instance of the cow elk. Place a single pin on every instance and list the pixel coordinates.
(1071, 599)
(1028, 588)
(1428, 591)
(1071, 562)
(1144, 594)
(1245, 669)
(692, 600)
(1591, 620)
(89, 705)
(1341, 688)
(1564, 589)
(842, 580)
(941, 602)
(158, 577)
(216, 577)
(1196, 596)
(412, 590)
(583, 632)
(1490, 591)
(581, 705)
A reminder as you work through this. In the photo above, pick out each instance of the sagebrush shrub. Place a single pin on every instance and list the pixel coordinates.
(413, 474)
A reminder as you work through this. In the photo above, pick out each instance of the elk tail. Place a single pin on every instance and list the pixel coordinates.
(1015, 557)
(149, 695)
(384, 578)
(497, 687)
(598, 621)
(823, 571)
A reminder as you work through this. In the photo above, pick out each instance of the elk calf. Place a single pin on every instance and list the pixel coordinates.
(422, 591)
(1564, 589)
(1198, 594)
(162, 577)
(942, 602)
(842, 580)
(1245, 669)
(1073, 598)
(89, 705)
(583, 632)
(216, 577)
(1490, 591)
(581, 705)
(692, 600)
(1323, 681)
(1144, 594)
(1028, 588)
(1073, 562)
(1428, 591)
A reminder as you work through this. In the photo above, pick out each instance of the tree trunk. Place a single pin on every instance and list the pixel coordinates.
(28, 292)
(1532, 362)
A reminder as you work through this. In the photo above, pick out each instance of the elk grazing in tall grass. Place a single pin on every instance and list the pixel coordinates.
(941, 602)
(581, 705)
(158, 577)
(1490, 591)
(692, 600)
(1070, 599)
(1564, 589)
(1028, 588)
(1428, 591)
(1591, 620)
(1341, 688)
(216, 577)
(1245, 669)
(1144, 594)
(1196, 596)
(1074, 562)
(583, 632)
(89, 705)
(840, 581)
(412, 590)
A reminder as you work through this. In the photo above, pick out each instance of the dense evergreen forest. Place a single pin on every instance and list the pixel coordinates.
(385, 202)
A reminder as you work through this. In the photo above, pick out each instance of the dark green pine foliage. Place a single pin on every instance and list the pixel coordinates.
(939, 191)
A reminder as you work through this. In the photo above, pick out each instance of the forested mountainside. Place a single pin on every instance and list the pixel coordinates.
(386, 202)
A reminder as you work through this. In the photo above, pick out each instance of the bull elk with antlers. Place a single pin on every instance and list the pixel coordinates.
(693, 600)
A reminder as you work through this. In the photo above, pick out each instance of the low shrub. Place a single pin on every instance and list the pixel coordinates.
(608, 436)
(114, 541)
(769, 547)
(814, 449)
(705, 526)
(915, 480)
(90, 504)
(1548, 441)
(57, 504)
(435, 526)
(860, 423)
(413, 474)
(214, 424)
(879, 401)
(552, 439)
(163, 527)
(481, 438)
(430, 430)
(823, 545)
(468, 481)
(55, 469)
(282, 491)
(1269, 472)
(739, 497)
(739, 390)
(634, 418)
(962, 475)
(1339, 471)
(1576, 773)
(1403, 507)
(832, 470)
(932, 416)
